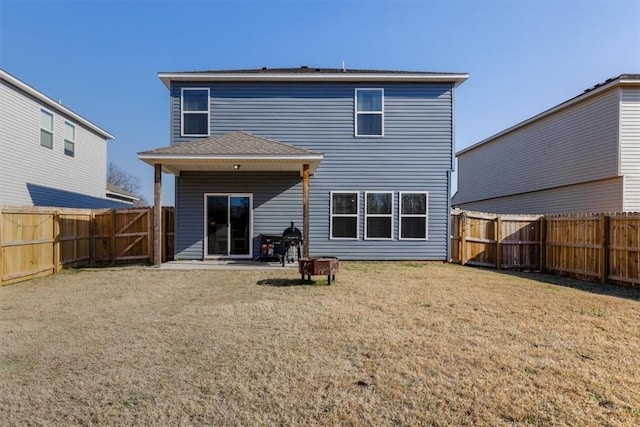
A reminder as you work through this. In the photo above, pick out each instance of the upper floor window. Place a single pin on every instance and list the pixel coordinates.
(378, 214)
(69, 139)
(344, 215)
(195, 112)
(46, 129)
(369, 112)
(413, 215)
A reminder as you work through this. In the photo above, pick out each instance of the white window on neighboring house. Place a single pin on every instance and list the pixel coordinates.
(46, 129)
(344, 215)
(369, 112)
(378, 214)
(195, 112)
(69, 139)
(414, 208)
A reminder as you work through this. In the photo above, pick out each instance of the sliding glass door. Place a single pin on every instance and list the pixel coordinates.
(228, 225)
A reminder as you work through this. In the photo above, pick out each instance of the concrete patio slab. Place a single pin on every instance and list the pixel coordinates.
(225, 265)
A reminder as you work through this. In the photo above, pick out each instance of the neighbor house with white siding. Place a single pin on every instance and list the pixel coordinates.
(49, 155)
(361, 160)
(582, 155)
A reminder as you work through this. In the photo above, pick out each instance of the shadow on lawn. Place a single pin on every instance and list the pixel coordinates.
(596, 288)
(290, 282)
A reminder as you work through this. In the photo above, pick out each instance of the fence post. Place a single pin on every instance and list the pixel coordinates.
(164, 234)
(114, 250)
(603, 229)
(150, 230)
(57, 265)
(462, 232)
(543, 243)
(92, 238)
(498, 224)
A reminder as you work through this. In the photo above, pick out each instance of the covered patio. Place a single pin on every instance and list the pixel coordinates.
(233, 153)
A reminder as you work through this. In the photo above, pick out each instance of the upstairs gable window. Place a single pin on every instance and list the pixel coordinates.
(46, 129)
(195, 112)
(369, 112)
(69, 139)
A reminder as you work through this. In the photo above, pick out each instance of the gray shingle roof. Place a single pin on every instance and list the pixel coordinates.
(115, 189)
(236, 143)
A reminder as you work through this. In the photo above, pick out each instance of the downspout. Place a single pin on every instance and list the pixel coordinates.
(448, 240)
(451, 169)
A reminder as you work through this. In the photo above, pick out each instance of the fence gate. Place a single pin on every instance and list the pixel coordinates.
(132, 231)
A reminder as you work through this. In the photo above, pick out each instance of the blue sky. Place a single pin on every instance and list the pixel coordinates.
(101, 58)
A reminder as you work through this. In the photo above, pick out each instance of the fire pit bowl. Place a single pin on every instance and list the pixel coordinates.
(319, 266)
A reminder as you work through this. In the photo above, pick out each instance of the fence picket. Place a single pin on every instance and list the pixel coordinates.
(37, 241)
(601, 247)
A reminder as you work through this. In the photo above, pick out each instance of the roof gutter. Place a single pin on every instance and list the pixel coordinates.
(53, 104)
(456, 78)
(143, 156)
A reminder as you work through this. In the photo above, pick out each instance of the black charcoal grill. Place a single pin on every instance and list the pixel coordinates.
(291, 242)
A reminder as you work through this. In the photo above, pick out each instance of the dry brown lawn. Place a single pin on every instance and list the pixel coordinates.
(387, 344)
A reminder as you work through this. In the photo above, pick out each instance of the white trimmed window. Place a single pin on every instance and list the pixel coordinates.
(195, 112)
(369, 112)
(46, 129)
(344, 215)
(413, 215)
(69, 139)
(378, 215)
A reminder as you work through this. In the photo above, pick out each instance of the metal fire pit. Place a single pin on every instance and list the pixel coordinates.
(319, 266)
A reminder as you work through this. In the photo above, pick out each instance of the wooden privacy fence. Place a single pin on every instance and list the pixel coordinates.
(602, 247)
(40, 241)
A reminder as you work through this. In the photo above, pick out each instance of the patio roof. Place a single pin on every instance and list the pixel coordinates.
(232, 151)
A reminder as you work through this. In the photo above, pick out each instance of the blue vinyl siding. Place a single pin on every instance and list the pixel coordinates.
(414, 155)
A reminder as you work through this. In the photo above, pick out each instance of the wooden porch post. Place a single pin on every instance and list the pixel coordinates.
(157, 215)
(305, 210)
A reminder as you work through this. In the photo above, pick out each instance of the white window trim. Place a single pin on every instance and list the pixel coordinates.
(426, 216)
(73, 141)
(367, 215)
(182, 112)
(356, 112)
(53, 125)
(356, 215)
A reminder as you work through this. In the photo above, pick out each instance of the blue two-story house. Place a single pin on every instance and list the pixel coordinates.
(361, 160)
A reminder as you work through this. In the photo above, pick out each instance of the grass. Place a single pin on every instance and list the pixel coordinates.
(386, 344)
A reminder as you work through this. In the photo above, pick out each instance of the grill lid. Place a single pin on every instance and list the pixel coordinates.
(292, 232)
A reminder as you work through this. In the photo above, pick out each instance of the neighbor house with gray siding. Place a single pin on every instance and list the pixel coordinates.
(582, 155)
(360, 160)
(50, 155)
